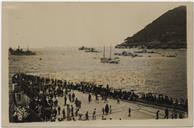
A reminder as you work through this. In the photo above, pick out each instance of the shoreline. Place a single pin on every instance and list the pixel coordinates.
(51, 90)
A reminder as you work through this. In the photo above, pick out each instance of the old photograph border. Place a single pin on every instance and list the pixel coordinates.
(98, 123)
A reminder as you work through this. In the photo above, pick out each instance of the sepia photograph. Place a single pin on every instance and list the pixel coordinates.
(86, 62)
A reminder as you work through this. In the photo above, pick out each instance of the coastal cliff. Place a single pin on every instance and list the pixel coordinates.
(167, 31)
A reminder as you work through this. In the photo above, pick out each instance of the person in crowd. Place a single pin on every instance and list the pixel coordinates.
(172, 115)
(87, 116)
(175, 113)
(15, 116)
(110, 111)
(94, 114)
(70, 97)
(181, 115)
(157, 114)
(105, 99)
(72, 111)
(63, 112)
(54, 112)
(103, 118)
(73, 97)
(59, 110)
(96, 95)
(118, 101)
(65, 100)
(129, 112)
(166, 113)
(76, 112)
(80, 117)
(103, 111)
(89, 98)
(68, 111)
(73, 119)
(106, 109)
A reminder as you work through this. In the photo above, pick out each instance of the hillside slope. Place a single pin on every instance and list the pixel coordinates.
(167, 31)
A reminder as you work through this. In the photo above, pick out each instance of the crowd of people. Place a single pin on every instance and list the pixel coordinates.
(44, 93)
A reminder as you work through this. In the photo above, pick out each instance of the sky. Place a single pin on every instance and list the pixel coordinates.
(38, 25)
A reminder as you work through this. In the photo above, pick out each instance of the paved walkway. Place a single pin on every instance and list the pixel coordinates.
(119, 111)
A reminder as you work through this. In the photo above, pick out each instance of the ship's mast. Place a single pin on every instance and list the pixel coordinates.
(27, 48)
(110, 51)
(104, 52)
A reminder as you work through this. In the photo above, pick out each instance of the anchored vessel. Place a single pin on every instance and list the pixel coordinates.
(19, 52)
(91, 50)
(108, 60)
(86, 49)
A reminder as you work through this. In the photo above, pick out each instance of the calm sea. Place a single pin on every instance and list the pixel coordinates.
(150, 73)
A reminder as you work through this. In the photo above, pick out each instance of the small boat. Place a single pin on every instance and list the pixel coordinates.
(113, 61)
(104, 60)
(83, 48)
(91, 50)
(124, 53)
(86, 49)
(109, 60)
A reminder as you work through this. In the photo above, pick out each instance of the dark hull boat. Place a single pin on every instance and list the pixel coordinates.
(21, 52)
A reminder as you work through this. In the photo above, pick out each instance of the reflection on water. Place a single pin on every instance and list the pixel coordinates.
(157, 74)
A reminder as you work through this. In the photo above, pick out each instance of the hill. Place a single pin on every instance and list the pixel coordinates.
(167, 31)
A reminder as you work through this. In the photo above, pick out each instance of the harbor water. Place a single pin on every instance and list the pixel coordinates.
(153, 72)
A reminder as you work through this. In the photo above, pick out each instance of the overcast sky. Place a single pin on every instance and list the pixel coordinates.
(76, 24)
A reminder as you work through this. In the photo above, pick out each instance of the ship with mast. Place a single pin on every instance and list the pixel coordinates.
(20, 52)
(109, 60)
